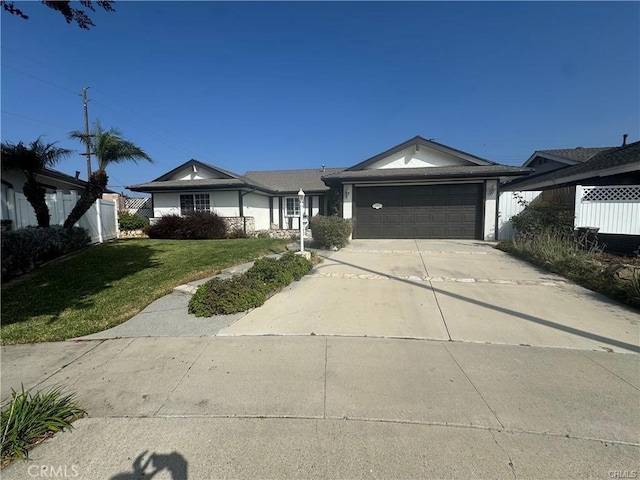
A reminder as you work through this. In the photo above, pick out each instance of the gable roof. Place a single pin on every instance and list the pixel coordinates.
(290, 181)
(418, 140)
(569, 156)
(610, 161)
(196, 163)
(273, 181)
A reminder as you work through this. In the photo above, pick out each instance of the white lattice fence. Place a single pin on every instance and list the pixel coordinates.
(140, 206)
(613, 209)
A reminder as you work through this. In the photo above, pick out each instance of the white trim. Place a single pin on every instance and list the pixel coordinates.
(581, 176)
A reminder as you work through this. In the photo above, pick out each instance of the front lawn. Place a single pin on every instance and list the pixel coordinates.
(107, 284)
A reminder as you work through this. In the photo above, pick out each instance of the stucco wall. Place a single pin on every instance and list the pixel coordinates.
(424, 157)
(224, 204)
(257, 206)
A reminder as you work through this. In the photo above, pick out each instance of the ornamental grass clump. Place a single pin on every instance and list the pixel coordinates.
(32, 417)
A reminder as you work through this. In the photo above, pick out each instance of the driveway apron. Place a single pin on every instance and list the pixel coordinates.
(443, 290)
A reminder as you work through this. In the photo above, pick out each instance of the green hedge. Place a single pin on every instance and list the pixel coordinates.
(330, 231)
(249, 290)
(26, 248)
(129, 221)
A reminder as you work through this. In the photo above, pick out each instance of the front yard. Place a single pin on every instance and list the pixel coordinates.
(104, 285)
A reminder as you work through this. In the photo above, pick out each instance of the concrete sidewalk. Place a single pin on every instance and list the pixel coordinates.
(283, 407)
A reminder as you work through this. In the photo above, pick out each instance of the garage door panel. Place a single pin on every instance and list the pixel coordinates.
(425, 211)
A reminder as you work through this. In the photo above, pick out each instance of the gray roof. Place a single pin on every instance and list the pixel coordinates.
(602, 163)
(466, 171)
(288, 181)
(578, 154)
(200, 184)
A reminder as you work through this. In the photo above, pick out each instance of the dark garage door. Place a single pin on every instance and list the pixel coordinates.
(422, 211)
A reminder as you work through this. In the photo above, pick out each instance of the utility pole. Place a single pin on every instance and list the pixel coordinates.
(87, 135)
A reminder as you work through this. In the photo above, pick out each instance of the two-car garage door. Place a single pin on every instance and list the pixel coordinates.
(419, 211)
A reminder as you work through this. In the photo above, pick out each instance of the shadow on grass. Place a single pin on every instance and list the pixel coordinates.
(69, 284)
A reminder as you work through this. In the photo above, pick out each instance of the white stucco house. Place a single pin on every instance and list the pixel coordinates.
(417, 189)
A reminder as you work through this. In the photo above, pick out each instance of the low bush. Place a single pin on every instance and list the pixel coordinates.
(249, 290)
(32, 417)
(204, 226)
(167, 227)
(194, 226)
(225, 297)
(540, 217)
(26, 248)
(129, 221)
(296, 264)
(330, 231)
(270, 273)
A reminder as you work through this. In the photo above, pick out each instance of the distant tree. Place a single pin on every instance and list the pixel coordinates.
(109, 147)
(64, 7)
(31, 160)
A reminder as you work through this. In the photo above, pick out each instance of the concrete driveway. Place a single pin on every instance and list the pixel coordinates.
(345, 405)
(443, 290)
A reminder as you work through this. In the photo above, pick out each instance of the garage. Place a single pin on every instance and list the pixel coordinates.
(419, 211)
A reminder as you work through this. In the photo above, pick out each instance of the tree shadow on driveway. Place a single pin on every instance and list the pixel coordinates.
(508, 311)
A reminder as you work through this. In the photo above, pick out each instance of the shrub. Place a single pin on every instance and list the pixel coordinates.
(167, 227)
(296, 264)
(270, 273)
(249, 290)
(330, 231)
(539, 217)
(204, 226)
(129, 221)
(26, 248)
(31, 417)
(225, 297)
(194, 226)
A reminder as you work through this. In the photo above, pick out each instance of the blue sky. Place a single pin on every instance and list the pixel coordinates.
(269, 85)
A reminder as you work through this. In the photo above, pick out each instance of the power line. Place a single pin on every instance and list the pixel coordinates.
(40, 79)
(33, 119)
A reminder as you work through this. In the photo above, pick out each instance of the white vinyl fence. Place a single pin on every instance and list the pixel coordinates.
(613, 209)
(509, 205)
(101, 220)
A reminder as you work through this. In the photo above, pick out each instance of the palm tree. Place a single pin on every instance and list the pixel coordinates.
(109, 147)
(31, 160)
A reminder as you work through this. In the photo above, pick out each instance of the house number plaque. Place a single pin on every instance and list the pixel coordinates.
(377, 206)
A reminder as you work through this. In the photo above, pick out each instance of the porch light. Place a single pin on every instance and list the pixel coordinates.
(301, 198)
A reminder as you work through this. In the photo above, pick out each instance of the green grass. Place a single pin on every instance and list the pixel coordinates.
(31, 417)
(104, 285)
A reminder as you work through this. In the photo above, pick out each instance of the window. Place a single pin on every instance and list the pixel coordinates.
(292, 207)
(198, 202)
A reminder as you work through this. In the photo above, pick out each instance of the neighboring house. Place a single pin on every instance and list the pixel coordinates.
(417, 189)
(604, 189)
(53, 181)
(598, 166)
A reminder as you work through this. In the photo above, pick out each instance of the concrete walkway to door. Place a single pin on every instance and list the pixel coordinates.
(443, 290)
